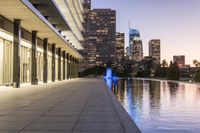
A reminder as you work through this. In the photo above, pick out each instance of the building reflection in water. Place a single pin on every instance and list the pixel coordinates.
(154, 93)
(160, 106)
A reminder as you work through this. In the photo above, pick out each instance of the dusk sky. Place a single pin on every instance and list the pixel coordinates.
(175, 22)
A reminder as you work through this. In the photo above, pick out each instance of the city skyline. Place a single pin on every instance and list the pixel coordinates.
(174, 23)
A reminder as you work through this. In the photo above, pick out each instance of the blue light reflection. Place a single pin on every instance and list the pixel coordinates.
(110, 80)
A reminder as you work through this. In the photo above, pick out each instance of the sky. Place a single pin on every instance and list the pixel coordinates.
(175, 22)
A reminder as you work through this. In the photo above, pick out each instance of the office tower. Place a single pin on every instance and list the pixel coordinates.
(101, 29)
(87, 8)
(119, 55)
(137, 49)
(180, 59)
(133, 33)
(42, 43)
(154, 49)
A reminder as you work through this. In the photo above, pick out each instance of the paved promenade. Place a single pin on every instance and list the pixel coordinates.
(74, 106)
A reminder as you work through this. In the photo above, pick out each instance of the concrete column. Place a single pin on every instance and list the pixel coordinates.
(34, 80)
(73, 67)
(53, 62)
(64, 53)
(76, 68)
(68, 66)
(59, 64)
(16, 53)
(45, 60)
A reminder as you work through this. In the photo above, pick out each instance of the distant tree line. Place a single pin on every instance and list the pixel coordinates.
(162, 70)
(197, 75)
(122, 70)
(149, 70)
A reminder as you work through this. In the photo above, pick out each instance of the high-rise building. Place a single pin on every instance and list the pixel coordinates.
(119, 55)
(180, 59)
(87, 9)
(154, 49)
(101, 29)
(133, 33)
(137, 49)
(39, 40)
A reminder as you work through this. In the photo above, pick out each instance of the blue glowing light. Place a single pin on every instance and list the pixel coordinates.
(109, 78)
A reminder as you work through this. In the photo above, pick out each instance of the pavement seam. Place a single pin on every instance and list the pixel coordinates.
(82, 111)
(74, 127)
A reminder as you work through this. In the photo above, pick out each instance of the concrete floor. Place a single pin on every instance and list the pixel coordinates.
(78, 106)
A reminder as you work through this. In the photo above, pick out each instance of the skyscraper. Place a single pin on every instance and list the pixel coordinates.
(119, 47)
(180, 59)
(132, 34)
(154, 49)
(137, 49)
(87, 9)
(101, 29)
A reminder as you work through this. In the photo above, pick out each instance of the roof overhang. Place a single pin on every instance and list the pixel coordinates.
(74, 8)
(53, 14)
(49, 9)
(66, 10)
(32, 20)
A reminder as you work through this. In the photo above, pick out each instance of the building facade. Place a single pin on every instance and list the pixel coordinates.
(180, 59)
(84, 63)
(120, 43)
(39, 40)
(137, 49)
(100, 44)
(133, 33)
(154, 49)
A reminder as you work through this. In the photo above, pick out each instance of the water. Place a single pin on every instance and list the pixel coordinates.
(160, 106)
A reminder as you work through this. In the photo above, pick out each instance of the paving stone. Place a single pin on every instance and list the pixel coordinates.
(50, 126)
(58, 118)
(99, 126)
(72, 106)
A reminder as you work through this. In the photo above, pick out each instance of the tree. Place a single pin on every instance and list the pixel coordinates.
(164, 63)
(127, 70)
(147, 68)
(196, 63)
(173, 72)
(160, 72)
(93, 72)
(197, 75)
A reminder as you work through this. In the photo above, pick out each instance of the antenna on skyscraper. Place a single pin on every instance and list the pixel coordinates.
(129, 25)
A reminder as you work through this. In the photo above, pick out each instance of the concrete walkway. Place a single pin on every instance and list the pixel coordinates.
(74, 106)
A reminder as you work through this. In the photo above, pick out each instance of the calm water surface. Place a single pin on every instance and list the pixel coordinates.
(160, 106)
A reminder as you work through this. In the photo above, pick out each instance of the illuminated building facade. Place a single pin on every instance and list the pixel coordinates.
(133, 33)
(101, 29)
(154, 49)
(120, 42)
(137, 49)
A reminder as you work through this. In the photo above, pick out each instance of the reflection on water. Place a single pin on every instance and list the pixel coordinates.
(160, 106)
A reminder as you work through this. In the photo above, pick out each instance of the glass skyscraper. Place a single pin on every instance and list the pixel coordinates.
(135, 45)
